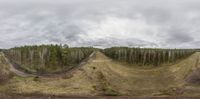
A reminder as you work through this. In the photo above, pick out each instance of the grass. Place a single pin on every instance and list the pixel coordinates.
(103, 76)
(4, 70)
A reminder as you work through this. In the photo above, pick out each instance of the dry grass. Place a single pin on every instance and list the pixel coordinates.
(103, 76)
(4, 70)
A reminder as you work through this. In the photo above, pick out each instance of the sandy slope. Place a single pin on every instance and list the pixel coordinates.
(4, 69)
(13, 69)
(103, 76)
(132, 80)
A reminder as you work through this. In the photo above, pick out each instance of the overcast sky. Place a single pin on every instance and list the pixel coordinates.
(105, 23)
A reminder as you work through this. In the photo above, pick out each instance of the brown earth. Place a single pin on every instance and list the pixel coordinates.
(103, 76)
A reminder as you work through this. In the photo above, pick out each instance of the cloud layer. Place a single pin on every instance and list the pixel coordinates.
(101, 23)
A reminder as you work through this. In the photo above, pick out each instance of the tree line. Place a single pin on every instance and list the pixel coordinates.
(47, 58)
(147, 56)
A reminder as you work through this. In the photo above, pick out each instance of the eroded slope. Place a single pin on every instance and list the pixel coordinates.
(103, 76)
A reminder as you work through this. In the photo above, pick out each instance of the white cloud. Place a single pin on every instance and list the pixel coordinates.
(120, 28)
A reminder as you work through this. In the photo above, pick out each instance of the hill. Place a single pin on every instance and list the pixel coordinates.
(104, 76)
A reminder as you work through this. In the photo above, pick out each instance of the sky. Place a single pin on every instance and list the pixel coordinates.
(101, 23)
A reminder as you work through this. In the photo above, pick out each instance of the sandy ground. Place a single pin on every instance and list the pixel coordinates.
(95, 97)
(103, 76)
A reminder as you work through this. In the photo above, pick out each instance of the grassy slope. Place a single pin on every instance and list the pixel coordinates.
(4, 69)
(102, 76)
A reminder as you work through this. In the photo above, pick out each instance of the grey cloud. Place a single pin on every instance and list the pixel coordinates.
(107, 42)
(178, 36)
(155, 23)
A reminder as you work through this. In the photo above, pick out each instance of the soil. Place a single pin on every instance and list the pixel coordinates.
(103, 78)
